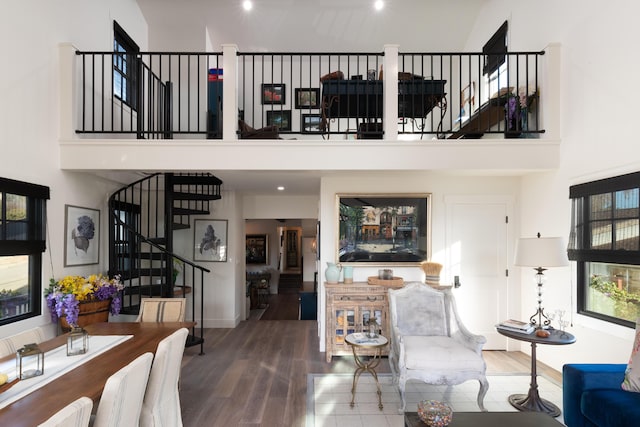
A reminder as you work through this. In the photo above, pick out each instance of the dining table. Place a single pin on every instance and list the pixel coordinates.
(85, 379)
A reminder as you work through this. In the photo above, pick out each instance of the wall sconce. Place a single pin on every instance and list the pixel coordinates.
(77, 342)
(29, 361)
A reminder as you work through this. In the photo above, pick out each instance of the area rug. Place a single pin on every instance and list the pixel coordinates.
(329, 397)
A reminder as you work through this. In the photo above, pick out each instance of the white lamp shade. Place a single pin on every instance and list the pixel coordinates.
(541, 252)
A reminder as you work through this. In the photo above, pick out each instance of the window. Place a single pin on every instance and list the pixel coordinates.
(605, 242)
(22, 241)
(125, 68)
(495, 50)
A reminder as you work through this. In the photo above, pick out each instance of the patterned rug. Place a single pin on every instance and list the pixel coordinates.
(328, 398)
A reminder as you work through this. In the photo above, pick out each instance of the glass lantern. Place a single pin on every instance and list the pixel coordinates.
(29, 361)
(372, 328)
(77, 342)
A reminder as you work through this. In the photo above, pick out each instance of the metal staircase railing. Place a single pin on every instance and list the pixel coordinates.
(144, 215)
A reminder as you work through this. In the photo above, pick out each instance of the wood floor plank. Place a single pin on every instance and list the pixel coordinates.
(256, 374)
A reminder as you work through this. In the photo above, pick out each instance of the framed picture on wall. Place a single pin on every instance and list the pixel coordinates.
(281, 119)
(274, 93)
(257, 249)
(311, 123)
(307, 98)
(210, 240)
(81, 236)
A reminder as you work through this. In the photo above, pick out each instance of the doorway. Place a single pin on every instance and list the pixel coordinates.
(292, 250)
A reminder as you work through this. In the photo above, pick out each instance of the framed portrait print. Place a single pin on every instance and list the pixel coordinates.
(274, 93)
(81, 236)
(307, 98)
(383, 229)
(281, 119)
(210, 240)
(257, 248)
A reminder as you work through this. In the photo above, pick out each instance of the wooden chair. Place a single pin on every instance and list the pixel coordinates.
(75, 414)
(161, 404)
(162, 310)
(121, 401)
(429, 343)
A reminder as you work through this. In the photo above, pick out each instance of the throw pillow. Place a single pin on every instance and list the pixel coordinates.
(632, 374)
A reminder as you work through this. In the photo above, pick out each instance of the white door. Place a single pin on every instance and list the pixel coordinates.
(476, 248)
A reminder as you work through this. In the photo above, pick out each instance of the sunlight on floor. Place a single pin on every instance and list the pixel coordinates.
(328, 398)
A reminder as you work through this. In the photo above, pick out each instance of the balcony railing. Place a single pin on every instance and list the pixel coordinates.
(308, 95)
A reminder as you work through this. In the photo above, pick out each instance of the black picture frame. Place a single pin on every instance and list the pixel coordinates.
(257, 248)
(307, 98)
(383, 229)
(279, 118)
(273, 93)
(310, 123)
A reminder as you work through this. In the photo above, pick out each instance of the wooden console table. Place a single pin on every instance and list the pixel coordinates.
(348, 309)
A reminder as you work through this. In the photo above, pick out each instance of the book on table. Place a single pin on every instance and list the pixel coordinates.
(516, 326)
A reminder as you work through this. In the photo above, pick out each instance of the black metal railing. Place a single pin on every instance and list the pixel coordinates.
(169, 98)
(313, 95)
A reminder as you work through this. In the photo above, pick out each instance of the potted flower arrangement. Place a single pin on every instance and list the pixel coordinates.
(68, 297)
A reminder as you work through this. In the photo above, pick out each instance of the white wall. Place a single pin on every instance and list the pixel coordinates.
(31, 31)
(440, 185)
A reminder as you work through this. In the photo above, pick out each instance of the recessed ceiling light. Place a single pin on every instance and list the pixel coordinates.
(379, 4)
(281, 188)
(247, 5)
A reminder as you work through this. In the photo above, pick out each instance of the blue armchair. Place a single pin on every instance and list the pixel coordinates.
(592, 396)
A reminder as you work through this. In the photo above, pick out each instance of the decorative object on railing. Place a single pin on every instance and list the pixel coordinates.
(79, 301)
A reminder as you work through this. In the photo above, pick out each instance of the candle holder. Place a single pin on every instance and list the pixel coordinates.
(77, 341)
(29, 362)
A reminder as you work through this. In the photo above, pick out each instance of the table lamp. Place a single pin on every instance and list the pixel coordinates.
(540, 253)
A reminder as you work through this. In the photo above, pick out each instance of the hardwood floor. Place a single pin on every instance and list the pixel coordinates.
(256, 374)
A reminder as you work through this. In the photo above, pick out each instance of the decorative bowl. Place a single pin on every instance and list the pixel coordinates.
(434, 413)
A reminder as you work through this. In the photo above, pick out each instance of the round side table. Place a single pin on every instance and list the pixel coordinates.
(361, 340)
(532, 400)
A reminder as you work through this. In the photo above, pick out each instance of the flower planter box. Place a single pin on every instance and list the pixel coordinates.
(90, 312)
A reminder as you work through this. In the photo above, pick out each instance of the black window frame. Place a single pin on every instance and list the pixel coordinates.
(580, 249)
(130, 74)
(495, 50)
(32, 242)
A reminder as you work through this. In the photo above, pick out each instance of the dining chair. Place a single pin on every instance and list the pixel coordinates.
(33, 335)
(121, 400)
(161, 404)
(162, 310)
(75, 414)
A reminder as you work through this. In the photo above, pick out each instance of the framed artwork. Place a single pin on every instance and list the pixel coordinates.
(281, 119)
(257, 248)
(81, 236)
(210, 240)
(307, 98)
(274, 93)
(311, 123)
(383, 229)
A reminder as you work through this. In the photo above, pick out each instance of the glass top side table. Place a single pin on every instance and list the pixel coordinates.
(361, 340)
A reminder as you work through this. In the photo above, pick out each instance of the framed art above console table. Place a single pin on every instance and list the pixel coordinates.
(383, 229)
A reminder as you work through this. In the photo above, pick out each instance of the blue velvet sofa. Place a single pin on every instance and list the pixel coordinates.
(592, 396)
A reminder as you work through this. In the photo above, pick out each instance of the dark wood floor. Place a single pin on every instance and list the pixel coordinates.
(256, 374)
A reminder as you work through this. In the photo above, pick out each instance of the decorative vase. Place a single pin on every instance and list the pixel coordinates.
(90, 312)
(434, 413)
(347, 274)
(332, 273)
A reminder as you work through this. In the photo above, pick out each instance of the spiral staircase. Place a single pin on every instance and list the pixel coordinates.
(143, 218)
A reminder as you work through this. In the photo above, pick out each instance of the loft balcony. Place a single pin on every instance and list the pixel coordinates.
(408, 101)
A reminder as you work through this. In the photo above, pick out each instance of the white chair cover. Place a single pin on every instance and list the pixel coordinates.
(75, 414)
(33, 335)
(162, 310)
(122, 396)
(429, 342)
(161, 405)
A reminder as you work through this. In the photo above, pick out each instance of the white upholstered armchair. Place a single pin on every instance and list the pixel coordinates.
(429, 343)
